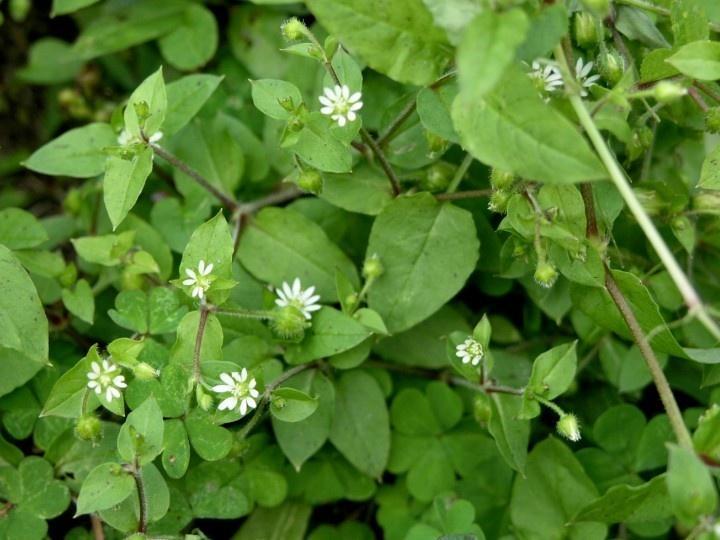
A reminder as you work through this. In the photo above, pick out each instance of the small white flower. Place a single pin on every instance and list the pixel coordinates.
(124, 138)
(339, 105)
(547, 77)
(155, 137)
(304, 300)
(582, 74)
(200, 280)
(242, 391)
(470, 352)
(106, 378)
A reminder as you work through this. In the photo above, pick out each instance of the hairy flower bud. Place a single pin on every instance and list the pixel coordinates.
(499, 201)
(501, 179)
(586, 34)
(293, 29)
(438, 176)
(707, 202)
(669, 91)
(568, 427)
(145, 371)
(372, 268)
(310, 181)
(88, 428)
(289, 323)
(611, 66)
(545, 274)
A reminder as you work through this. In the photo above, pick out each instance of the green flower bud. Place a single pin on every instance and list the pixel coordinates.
(611, 66)
(142, 110)
(707, 202)
(586, 34)
(501, 179)
(639, 143)
(130, 281)
(568, 427)
(73, 202)
(295, 125)
(600, 7)
(293, 29)
(438, 176)
(88, 428)
(351, 299)
(436, 144)
(68, 276)
(680, 223)
(331, 46)
(482, 411)
(650, 201)
(310, 181)
(712, 120)
(19, 9)
(68, 97)
(289, 323)
(372, 268)
(203, 399)
(287, 103)
(669, 91)
(545, 274)
(145, 371)
(499, 201)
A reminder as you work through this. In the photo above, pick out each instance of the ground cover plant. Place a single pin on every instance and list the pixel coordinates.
(355, 269)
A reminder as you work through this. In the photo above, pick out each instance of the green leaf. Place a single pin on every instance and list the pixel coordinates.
(106, 485)
(141, 436)
(396, 39)
(365, 190)
(23, 326)
(183, 352)
(496, 131)
(152, 96)
(124, 181)
(289, 521)
(319, 144)
(691, 486)
(176, 449)
(453, 16)
(66, 397)
(638, 25)
(107, 250)
(646, 502)
(43, 496)
(542, 507)
(62, 7)
(77, 152)
(553, 371)
(20, 229)
(217, 490)
(487, 48)
(300, 440)
(185, 97)
(430, 266)
(433, 108)
(292, 405)
(699, 60)
(710, 173)
(50, 61)
(361, 427)
(193, 42)
(511, 434)
(546, 30)
(80, 301)
(689, 21)
(268, 95)
(332, 332)
(211, 442)
(281, 244)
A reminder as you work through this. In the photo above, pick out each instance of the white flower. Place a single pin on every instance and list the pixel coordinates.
(242, 391)
(155, 137)
(582, 74)
(548, 77)
(304, 300)
(125, 139)
(470, 352)
(339, 105)
(200, 280)
(106, 378)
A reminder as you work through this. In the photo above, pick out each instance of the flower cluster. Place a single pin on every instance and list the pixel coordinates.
(241, 389)
(304, 300)
(470, 351)
(340, 105)
(549, 79)
(200, 281)
(106, 379)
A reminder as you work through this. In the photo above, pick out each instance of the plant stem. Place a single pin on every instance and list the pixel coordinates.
(487, 388)
(384, 163)
(697, 98)
(709, 90)
(242, 313)
(550, 405)
(97, 527)
(690, 296)
(471, 194)
(140, 485)
(460, 173)
(204, 311)
(176, 162)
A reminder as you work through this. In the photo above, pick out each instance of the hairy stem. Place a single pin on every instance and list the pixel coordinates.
(471, 194)
(204, 311)
(690, 296)
(142, 496)
(242, 313)
(226, 200)
(382, 159)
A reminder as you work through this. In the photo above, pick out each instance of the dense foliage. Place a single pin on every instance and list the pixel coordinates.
(353, 269)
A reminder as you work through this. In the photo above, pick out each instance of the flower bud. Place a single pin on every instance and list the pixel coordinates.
(501, 179)
(287, 103)
(372, 268)
(68, 97)
(88, 428)
(482, 411)
(650, 201)
(669, 91)
(310, 181)
(203, 399)
(130, 281)
(568, 427)
(436, 144)
(289, 323)
(680, 223)
(639, 142)
(145, 371)
(545, 274)
(293, 29)
(499, 201)
(351, 299)
(438, 176)
(295, 125)
(331, 46)
(600, 7)
(707, 202)
(611, 66)
(586, 34)
(69, 275)
(712, 120)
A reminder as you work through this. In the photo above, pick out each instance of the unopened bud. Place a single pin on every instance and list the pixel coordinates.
(293, 29)
(351, 299)
(438, 176)
(707, 202)
(372, 268)
(545, 274)
(669, 91)
(568, 427)
(436, 144)
(611, 66)
(586, 34)
(310, 181)
(499, 201)
(331, 46)
(501, 179)
(649, 200)
(69, 275)
(203, 399)
(712, 120)
(295, 125)
(482, 411)
(287, 103)
(142, 110)
(289, 323)
(88, 428)
(145, 371)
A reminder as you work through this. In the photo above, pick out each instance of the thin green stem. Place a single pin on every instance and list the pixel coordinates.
(197, 374)
(708, 90)
(550, 405)
(471, 194)
(617, 175)
(460, 173)
(488, 388)
(242, 313)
